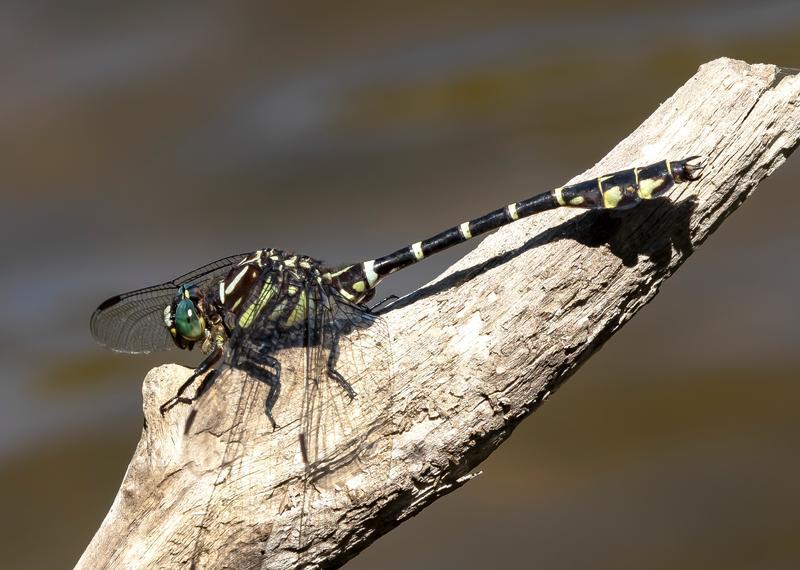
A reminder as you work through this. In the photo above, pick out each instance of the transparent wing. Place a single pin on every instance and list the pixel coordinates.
(134, 322)
(348, 387)
(348, 382)
(331, 367)
(315, 350)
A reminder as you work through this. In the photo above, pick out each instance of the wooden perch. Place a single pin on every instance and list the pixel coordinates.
(474, 353)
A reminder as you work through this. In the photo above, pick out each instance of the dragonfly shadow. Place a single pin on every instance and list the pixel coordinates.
(653, 229)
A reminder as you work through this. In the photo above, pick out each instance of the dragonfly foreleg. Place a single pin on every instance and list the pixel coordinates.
(179, 398)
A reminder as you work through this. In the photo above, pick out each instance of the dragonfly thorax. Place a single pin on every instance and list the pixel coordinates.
(268, 281)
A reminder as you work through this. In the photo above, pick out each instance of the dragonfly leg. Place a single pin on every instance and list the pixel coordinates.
(387, 301)
(334, 374)
(268, 377)
(206, 383)
(204, 386)
(179, 398)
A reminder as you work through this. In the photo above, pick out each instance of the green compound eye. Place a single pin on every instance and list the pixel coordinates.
(188, 322)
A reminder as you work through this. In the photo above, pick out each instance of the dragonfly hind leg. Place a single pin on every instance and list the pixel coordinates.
(271, 378)
(334, 374)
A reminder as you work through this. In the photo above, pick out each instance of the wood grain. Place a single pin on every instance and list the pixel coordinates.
(473, 353)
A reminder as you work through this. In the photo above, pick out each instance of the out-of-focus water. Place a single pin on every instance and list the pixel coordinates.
(140, 142)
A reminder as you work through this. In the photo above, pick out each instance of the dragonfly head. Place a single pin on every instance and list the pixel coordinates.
(185, 317)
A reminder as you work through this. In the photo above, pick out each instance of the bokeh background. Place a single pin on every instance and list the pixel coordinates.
(139, 140)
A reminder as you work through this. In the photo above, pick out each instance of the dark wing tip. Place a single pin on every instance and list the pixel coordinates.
(111, 301)
(94, 321)
(131, 322)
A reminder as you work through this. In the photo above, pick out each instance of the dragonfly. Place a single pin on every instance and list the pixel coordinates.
(281, 318)
(242, 309)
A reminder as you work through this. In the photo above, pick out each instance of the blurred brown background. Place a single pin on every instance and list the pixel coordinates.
(141, 140)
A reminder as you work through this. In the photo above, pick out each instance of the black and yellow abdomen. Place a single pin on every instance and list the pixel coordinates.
(627, 188)
(620, 190)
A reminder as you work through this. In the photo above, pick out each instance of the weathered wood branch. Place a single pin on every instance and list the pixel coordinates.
(470, 362)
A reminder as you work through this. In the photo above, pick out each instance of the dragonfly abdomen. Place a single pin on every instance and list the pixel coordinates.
(626, 188)
(620, 190)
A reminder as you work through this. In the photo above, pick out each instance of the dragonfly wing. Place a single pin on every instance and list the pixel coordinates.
(134, 322)
(304, 341)
(348, 386)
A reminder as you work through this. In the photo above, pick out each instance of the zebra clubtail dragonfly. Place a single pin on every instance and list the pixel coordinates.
(241, 310)
(284, 319)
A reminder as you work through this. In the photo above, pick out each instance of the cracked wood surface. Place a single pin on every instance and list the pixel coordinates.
(473, 353)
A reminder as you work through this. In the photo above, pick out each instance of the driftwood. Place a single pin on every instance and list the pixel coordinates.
(538, 298)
